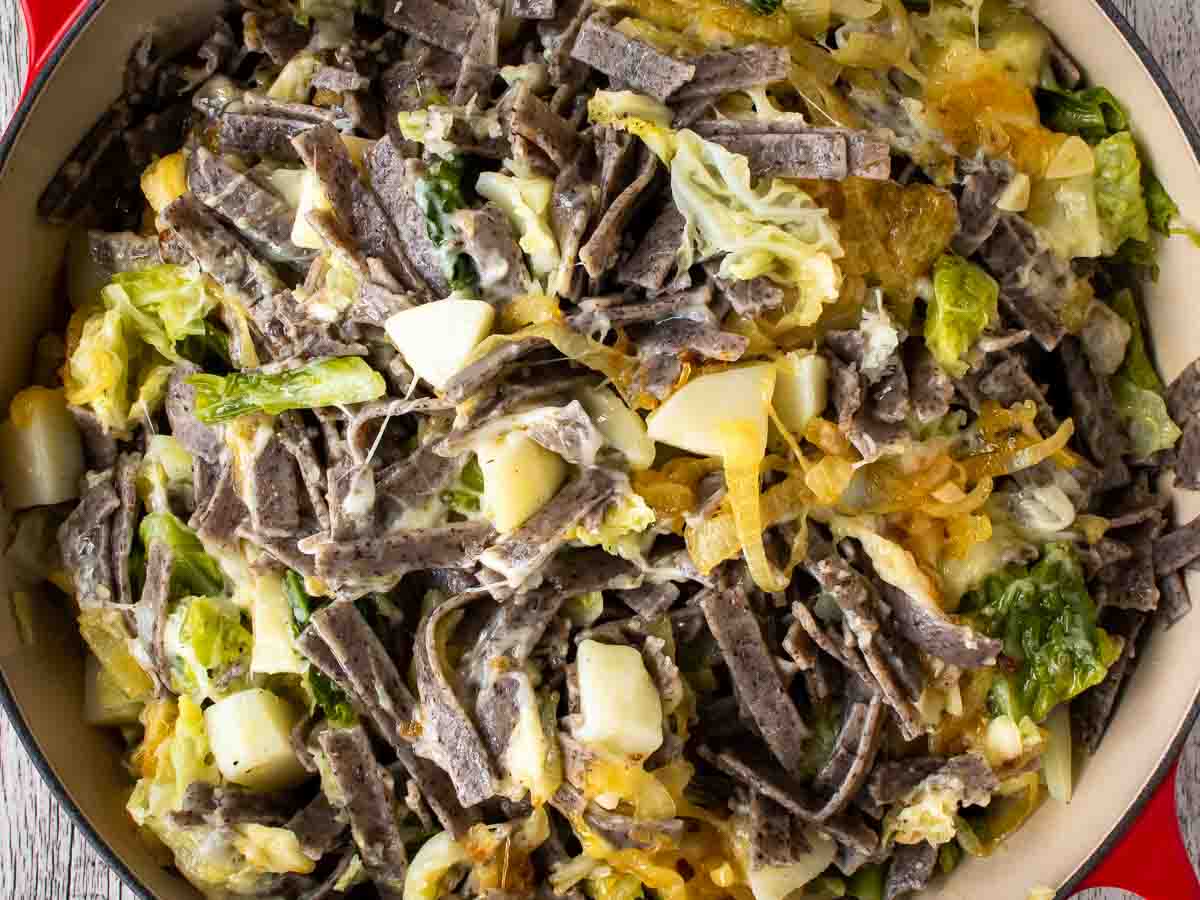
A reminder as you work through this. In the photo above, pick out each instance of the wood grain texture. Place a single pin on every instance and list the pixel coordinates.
(43, 857)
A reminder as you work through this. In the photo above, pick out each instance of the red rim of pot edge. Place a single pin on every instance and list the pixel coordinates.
(1144, 852)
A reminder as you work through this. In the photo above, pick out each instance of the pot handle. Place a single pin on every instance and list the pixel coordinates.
(1150, 859)
(46, 21)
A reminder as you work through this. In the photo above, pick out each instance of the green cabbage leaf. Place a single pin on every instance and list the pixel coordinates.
(208, 648)
(965, 301)
(1144, 412)
(1047, 622)
(121, 361)
(193, 571)
(771, 229)
(1138, 391)
(1120, 201)
(441, 192)
(1092, 113)
(328, 382)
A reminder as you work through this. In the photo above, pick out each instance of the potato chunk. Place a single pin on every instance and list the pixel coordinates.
(622, 712)
(801, 390)
(41, 452)
(519, 478)
(436, 339)
(250, 736)
(274, 646)
(693, 417)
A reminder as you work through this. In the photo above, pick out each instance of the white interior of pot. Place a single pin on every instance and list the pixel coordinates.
(46, 678)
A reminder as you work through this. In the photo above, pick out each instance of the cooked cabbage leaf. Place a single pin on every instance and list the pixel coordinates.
(637, 114)
(180, 757)
(301, 603)
(210, 350)
(193, 571)
(323, 693)
(120, 355)
(165, 304)
(208, 648)
(328, 382)
(772, 229)
(330, 699)
(1092, 113)
(1162, 209)
(622, 528)
(465, 495)
(929, 815)
(106, 633)
(1120, 202)
(1137, 366)
(1138, 390)
(965, 300)
(526, 202)
(271, 848)
(166, 470)
(204, 854)
(1047, 622)
(1146, 418)
(1140, 254)
(440, 192)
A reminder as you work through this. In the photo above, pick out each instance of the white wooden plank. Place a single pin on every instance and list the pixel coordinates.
(35, 834)
(13, 57)
(1169, 28)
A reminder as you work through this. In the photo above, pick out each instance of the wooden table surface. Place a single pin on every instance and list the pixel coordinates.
(43, 856)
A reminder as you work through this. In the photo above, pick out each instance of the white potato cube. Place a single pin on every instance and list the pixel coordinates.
(1002, 741)
(104, 703)
(519, 478)
(621, 427)
(621, 710)
(436, 339)
(428, 872)
(801, 389)
(1015, 197)
(274, 644)
(288, 184)
(780, 882)
(693, 418)
(312, 196)
(41, 452)
(250, 737)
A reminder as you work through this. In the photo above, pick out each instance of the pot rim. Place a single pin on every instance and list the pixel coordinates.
(58, 789)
